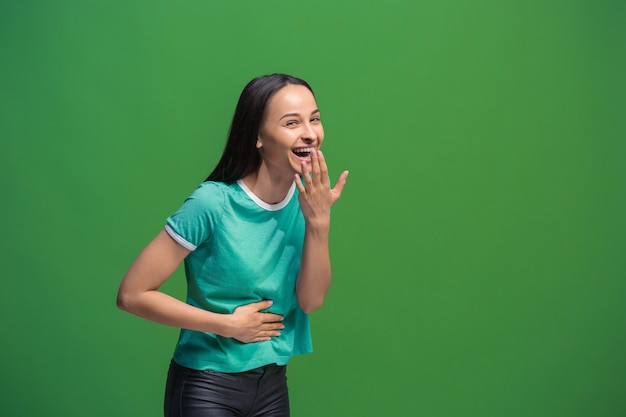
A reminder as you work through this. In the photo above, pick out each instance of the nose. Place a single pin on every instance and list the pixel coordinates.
(309, 134)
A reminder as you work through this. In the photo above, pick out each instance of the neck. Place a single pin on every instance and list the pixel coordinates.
(269, 186)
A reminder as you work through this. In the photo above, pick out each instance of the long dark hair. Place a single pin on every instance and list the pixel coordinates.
(241, 156)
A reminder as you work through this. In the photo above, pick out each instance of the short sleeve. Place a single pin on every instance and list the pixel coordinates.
(195, 221)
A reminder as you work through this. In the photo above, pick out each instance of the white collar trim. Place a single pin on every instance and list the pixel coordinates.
(263, 204)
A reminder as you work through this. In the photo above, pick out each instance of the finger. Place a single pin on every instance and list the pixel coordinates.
(261, 305)
(340, 183)
(272, 318)
(260, 339)
(277, 325)
(265, 336)
(306, 174)
(323, 168)
(299, 183)
(315, 166)
(271, 333)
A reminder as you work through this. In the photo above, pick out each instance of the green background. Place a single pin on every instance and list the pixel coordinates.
(479, 249)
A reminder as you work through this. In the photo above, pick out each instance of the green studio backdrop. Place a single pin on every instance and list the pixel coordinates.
(478, 250)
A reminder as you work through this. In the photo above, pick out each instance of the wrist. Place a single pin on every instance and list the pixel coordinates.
(318, 224)
(224, 326)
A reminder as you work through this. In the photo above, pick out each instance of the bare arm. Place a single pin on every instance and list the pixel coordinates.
(316, 197)
(139, 294)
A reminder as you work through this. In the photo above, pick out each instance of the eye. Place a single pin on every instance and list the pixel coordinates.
(316, 119)
(291, 123)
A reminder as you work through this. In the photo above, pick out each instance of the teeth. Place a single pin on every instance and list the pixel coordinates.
(303, 150)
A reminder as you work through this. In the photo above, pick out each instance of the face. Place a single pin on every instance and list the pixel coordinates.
(290, 130)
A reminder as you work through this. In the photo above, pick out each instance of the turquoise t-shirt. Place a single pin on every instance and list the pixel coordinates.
(243, 251)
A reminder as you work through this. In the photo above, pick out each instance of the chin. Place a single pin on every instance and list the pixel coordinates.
(297, 166)
(297, 171)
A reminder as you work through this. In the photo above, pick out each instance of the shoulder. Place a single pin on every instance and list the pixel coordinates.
(209, 194)
(199, 215)
(209, 188)
(207, 200)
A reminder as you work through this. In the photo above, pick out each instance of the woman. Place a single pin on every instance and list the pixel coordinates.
(254, 239)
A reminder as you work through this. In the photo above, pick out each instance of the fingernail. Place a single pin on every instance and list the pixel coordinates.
(319, 153)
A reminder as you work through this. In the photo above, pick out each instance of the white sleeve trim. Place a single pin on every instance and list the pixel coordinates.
(182, 242)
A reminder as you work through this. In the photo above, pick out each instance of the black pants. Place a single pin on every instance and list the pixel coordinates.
(258, 392)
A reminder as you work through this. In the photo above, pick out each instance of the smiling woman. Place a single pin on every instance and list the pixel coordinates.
(254, 240)
(291, 130)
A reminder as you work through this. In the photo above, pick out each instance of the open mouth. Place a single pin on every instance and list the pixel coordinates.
(303, 153)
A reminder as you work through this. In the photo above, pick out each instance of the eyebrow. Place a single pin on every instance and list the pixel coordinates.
(297, 114)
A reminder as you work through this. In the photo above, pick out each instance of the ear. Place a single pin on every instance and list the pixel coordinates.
(259, 144)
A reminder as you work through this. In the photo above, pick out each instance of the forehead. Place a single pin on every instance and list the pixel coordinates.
(292, 99)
